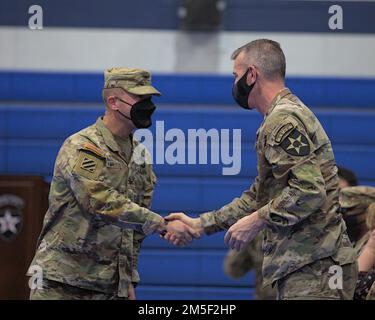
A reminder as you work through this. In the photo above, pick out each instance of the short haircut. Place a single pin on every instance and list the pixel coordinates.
(106, 92)
(267, 56)
(348, 175)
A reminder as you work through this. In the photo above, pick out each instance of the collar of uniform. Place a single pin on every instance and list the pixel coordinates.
(281, 94)
(107, 135)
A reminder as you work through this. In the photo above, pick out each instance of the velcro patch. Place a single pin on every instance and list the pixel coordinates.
(94, 149)
(281, 133)
(296, 144)
(88, 165)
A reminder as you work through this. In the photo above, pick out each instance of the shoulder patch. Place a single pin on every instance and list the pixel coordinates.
(281, 133)
(296, 144)
(88, 165)
(94, 149)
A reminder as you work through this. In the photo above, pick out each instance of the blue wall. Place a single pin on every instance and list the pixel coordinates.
(182, 89)
(56, 106)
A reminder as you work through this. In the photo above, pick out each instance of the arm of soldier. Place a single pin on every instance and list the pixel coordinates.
(223, 218)
(293, 160)
(215, 221)
(83, 171)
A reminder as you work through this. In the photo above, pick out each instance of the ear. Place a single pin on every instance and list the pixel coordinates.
(251, 76)
(111, 103)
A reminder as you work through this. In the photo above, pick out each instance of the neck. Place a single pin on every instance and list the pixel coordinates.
(119, 128)
(266, 95)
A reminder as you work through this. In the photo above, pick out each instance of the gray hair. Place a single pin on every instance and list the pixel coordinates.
(267, 56)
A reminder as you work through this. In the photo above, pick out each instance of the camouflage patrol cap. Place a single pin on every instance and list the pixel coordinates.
(136, 81)
(355, 200)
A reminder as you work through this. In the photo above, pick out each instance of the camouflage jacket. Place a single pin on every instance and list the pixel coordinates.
(98, 213)
(295, 192)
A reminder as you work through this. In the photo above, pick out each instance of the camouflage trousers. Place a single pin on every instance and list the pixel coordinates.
(316, 282)
(53, 290)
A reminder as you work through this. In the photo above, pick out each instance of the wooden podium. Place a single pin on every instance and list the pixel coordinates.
(23, 204)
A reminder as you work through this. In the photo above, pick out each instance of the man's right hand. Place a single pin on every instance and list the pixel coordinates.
(194, 225)
(177, 232)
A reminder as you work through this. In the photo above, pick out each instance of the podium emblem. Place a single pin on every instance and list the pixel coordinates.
(11, 218)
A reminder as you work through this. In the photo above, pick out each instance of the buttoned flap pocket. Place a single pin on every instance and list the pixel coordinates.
(116, 173)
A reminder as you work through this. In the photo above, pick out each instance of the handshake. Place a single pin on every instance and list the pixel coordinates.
(179, 229)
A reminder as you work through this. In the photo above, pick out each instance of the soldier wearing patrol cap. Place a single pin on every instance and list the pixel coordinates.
(367, 259)
(100, 198)
(294, 199)
(354, 202)
(358, 209)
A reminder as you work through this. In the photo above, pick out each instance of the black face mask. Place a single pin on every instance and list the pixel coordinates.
(241, 91)
(140, 113)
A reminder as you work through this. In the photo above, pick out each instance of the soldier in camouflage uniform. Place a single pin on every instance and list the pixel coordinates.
(371, 226)
(100, 200)
(365, 288)
(295, 196)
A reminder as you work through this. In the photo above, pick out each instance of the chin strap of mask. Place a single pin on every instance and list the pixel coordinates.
(123, 101)
(124, 115)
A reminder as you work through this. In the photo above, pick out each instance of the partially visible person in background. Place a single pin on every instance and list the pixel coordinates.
(354, 203)
(347, 178)
(238, 263)
(358, 209)
(366, 262)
